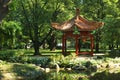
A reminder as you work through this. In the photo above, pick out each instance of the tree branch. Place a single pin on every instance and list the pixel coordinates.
(27, 20)
(50, 31)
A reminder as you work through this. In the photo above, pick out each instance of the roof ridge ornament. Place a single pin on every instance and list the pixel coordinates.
(77, 12)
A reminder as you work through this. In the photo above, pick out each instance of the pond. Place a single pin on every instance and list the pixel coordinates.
(83, 75)
(83, 68)
(68, 75)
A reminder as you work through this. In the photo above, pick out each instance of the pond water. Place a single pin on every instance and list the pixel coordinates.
(82, 75)
(67, 75)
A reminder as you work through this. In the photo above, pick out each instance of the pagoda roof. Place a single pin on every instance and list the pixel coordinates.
(81, 23)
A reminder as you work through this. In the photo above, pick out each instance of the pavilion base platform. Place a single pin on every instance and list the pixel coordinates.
(79, 53)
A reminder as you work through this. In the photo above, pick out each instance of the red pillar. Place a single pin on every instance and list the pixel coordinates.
(65, 38)
(63, 44)
(64, 49)
(92, 45)
(79, 45)
(76, 44)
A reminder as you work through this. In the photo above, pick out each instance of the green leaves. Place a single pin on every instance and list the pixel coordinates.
(10, 30)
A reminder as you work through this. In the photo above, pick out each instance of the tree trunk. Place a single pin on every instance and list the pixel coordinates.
(53, 43)
(36, 40)
(3, 8)
(36, 48)
(97, 47)
(117, 46)
(111, 46)
(97, 42)
(43, 46)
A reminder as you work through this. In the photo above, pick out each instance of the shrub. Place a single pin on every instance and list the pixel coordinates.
(41, 61)
(19, 57)
(11, 56)
(114, 53)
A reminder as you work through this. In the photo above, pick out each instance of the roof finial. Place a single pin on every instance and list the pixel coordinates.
(77, 11)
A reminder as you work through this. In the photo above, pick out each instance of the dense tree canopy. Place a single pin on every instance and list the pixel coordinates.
(31, 20)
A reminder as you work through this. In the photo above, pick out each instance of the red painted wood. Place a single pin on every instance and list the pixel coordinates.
(63, 45)
(76, 37)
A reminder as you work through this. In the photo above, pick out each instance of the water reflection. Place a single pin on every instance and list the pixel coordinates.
(67, 75)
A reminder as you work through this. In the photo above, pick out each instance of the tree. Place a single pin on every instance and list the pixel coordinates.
(99, 10)
(37, 15)
(34, 19)
(111, 29)
(59, 13)
(111, 34)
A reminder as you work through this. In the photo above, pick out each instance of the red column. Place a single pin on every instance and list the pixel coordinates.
(65, 38)
(92, 44)
(79, 45)
(76, 39)
(63, 44)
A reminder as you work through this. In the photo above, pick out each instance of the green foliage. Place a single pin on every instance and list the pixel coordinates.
(42, 61)
(105, 75)
(18, 56)
(35, 16)
(64, 75)
(11, 56)
(111, 32)
(114, 53)
(10, 31)
(18, 71)
(27, 72)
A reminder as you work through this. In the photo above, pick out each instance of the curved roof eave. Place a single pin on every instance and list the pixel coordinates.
(67, 25)
(82, 24)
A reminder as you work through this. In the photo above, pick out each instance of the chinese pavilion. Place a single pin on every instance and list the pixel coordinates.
(84, 27)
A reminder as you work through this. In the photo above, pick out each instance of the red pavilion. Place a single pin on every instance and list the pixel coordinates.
(84, 27)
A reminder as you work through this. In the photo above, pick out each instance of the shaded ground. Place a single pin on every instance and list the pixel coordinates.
(106, 75)
(17, 71)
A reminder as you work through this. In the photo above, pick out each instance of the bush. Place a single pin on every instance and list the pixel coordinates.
(114, 53)
(19, 57)
(42, 61)
(11, 56)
